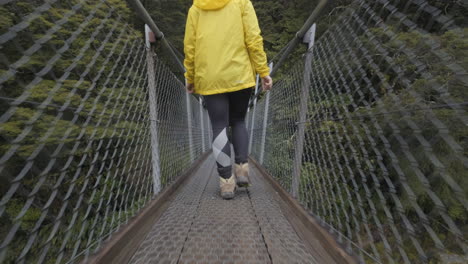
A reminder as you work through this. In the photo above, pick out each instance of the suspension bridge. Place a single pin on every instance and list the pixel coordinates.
(358, 154)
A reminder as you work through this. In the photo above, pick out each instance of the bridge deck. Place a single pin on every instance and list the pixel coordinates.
(200, 227)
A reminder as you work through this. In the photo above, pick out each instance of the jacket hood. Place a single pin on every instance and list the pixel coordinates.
(210, 4)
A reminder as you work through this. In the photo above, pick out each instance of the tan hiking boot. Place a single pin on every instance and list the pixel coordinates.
(228, 187)
(242, 174)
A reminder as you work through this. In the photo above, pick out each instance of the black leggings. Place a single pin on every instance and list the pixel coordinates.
(229, 109)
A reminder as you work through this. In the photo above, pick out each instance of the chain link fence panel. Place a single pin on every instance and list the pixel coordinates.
(384, 164)
(76, 157)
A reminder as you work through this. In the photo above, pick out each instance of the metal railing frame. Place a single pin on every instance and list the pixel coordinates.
(299, 149)
(145, 16)
(296, 40)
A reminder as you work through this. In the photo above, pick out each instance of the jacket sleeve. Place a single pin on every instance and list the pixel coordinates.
(189, 46)
(254, 40)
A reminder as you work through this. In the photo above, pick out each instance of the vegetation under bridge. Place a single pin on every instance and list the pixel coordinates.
(358, 153)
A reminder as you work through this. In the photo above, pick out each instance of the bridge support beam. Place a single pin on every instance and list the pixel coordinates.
(253, 116)
(155, 161)
(265, 122)
(190, 125)
(202, 125)
(303, 109)
(247, 126)
(208, 131)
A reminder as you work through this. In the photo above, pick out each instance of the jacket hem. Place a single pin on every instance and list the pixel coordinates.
(227, 90)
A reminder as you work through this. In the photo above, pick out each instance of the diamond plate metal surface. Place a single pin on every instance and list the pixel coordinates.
(224, 231)
(284, 244)
(164, 242)
(200, 227)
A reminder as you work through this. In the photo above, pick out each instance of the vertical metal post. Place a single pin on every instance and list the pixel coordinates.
(299, 149)
(189, 125)
(247, 123)
(209, 130)
(202, 125)
(253, 115)
(265, 122)
(155, 161)
(247, 119)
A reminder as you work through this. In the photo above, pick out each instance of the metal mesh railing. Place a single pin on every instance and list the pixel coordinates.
(92, 126)
(378, 151)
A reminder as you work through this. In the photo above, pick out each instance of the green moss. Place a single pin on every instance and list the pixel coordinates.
(7, 20)
(28, 219)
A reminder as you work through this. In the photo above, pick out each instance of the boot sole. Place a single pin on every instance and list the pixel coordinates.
(243, 182)
(227, 196)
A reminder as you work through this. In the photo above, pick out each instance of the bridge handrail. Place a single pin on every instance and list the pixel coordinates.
(299, 36)
(292, 44)
(141, 10)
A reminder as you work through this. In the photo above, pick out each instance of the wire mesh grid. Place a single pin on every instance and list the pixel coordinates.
(174, 126)
(256, 132)
(384, 163)
(76, 158)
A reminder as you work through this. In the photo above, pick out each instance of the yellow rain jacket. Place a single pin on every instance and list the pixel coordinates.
(223, 47)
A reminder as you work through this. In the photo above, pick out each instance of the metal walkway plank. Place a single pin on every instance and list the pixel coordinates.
(200, 227)
(224, 231)
(284, 244)
(164, 242)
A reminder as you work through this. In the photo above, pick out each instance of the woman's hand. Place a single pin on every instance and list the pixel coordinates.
(189, 87)
(267, 83)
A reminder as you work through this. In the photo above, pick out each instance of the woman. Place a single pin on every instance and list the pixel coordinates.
(223, 53)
